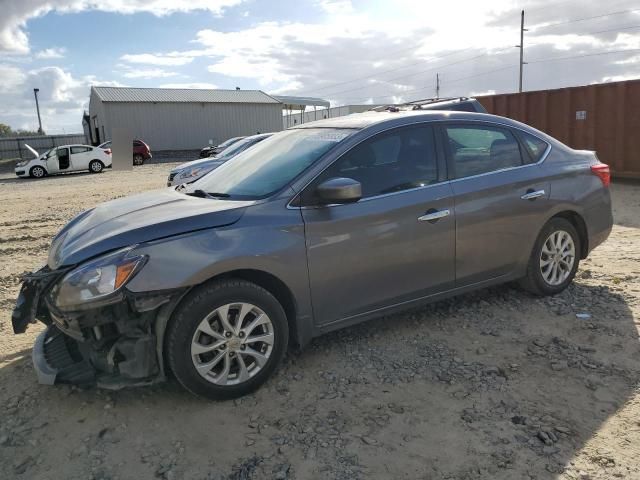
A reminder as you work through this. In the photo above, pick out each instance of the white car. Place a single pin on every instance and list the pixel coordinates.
(63, 159)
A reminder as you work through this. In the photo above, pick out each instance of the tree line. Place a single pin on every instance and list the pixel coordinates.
(7, 131)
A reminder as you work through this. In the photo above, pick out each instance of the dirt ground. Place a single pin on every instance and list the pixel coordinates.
(492, 385)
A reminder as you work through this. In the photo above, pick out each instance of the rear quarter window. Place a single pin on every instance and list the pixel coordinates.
(534, 146)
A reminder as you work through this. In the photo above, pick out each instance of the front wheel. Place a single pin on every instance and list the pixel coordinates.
(95, 166)
(226, 338)
(37, 172)
(554, 260)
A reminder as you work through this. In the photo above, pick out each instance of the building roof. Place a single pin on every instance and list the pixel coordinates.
(187, 95)
(302, 101)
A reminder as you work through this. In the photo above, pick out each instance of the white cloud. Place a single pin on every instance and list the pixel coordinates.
(167, 59)
(336, 7)
(16, 13)
(49, 53)
(62, 98)
(148, 73)
(200, 85)
(12, 77)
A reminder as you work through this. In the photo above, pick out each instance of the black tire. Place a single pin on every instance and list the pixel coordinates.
(37, 172)
(138, 159)
(96, 166)
(534, 281)
(194, 308)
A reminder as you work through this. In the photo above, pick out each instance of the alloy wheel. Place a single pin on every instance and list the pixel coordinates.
(38, 172)
(557, 257)
(232, 344)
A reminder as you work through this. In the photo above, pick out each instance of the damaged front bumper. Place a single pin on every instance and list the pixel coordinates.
(112, 345)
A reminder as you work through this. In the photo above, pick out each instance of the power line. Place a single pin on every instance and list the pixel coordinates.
(426, 88)
(507, 67)
(403, 77)
(576, 20)
(571, 57)
(365, 77)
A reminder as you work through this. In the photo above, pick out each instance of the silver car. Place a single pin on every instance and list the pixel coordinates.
(189, 172)
(314, 229)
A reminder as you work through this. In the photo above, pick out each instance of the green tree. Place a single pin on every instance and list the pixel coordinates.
(7, 131)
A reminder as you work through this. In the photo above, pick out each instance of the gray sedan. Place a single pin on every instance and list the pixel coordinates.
(314, 229)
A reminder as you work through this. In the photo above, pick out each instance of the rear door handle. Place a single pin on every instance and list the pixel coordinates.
(532, 194)
(433, 215)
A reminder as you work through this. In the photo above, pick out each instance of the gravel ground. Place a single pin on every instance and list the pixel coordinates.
(491, 385)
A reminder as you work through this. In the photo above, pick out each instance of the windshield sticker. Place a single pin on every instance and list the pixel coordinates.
(328, 137)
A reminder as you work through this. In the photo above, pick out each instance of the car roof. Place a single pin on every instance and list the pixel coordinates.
(363, 120)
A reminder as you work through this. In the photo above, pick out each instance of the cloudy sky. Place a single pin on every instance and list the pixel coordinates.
(346, 51)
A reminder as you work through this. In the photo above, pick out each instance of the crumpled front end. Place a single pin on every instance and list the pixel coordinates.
(112, 345)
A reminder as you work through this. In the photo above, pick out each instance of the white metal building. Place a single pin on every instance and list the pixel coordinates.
(182, 119)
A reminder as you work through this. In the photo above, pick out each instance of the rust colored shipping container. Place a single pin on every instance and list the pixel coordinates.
(602, 117)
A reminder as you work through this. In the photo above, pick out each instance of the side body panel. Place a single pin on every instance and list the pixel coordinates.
(375, 253)
(269, 238)
(494, 225)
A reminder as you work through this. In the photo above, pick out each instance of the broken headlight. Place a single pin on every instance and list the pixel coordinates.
(96, 279)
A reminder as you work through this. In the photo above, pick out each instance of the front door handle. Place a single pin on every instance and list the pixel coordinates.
(432, 215)
(532, 194)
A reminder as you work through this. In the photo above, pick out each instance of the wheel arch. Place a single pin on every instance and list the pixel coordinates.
(579, 224)
(271, 283)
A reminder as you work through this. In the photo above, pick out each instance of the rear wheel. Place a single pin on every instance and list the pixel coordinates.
(226, 338)
(138, 159)
(37, 172)
(554, 260)
(95, 166)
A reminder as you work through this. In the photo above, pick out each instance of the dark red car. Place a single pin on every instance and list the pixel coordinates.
(141, 151)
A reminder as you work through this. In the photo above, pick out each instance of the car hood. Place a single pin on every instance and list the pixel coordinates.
(204, 162)
(32, 150)
(136, 219)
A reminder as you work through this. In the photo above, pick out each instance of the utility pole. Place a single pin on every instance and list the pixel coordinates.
(521, 47)
(35, 93)
(437, 86)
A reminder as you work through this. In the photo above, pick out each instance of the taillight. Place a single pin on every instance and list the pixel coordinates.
(602, 171)
(108, 151)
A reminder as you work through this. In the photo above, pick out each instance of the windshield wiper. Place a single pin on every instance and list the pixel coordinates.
(202, 194)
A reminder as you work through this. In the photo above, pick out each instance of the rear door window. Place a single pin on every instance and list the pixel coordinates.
(478, 149)
(80, 150)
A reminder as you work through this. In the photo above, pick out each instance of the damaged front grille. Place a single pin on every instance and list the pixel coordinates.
(62, 355)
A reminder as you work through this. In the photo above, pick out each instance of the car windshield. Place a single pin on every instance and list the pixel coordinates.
(50, 152)
(269, 165)
(229, 141)
(236, 148)
(105, 145)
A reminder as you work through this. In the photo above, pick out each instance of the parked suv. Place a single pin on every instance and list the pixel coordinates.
(141, 151)
(313, 229)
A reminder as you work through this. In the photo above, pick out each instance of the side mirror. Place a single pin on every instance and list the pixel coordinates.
(339, 190)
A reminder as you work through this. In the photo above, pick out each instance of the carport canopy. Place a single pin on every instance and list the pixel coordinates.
(289, 104)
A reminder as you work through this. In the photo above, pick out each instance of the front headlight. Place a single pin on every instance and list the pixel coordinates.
(22, 163)
(194, 172)
(97, 279)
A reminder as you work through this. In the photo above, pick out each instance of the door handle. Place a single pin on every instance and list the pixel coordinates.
(532, 194)
(432, 215)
